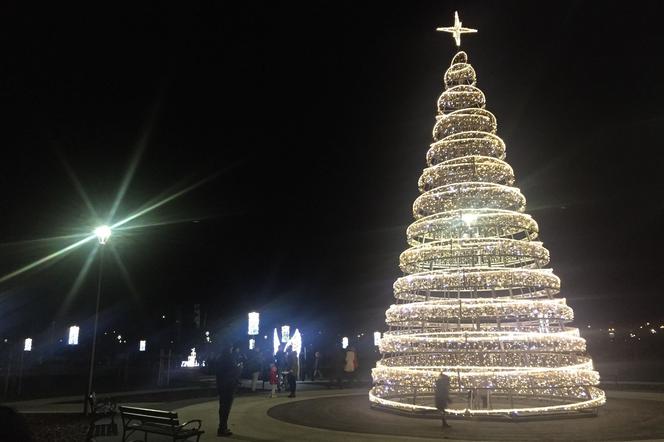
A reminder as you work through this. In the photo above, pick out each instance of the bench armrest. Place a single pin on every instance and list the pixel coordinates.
(198, 423)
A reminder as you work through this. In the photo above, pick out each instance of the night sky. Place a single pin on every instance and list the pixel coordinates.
(313, 123)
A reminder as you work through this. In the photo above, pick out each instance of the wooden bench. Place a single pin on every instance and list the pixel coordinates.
(162, 422)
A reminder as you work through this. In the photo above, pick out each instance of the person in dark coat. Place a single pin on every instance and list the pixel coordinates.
(443, 396)
(293, 362)
(227, 371)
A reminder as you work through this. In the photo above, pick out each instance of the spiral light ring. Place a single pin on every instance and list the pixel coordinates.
(460, 72)
(464, 120)
(460, 97)
(466, 143)
(496, 222)
(518, 283)
(472, 309)
(453, 253)
(470, 168)
(468, 195)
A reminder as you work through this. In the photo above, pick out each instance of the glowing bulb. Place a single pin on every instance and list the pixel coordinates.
(103, 233)
(344, 342)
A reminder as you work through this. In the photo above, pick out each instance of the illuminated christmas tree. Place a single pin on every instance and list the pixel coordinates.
(477, 302)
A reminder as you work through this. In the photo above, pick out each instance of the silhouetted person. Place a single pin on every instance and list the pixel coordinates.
(443, 396)
(293, 368)
(227, 371)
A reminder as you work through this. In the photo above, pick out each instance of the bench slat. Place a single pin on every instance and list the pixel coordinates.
(165, 430)
(147, 411)
(156, 420)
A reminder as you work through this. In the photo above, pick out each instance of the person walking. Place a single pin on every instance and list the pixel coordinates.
(227, 372)
(293, 368)
(274, 379)
(443, 396)
(351, 364)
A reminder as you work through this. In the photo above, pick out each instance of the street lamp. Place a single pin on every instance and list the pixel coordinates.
(103, 233)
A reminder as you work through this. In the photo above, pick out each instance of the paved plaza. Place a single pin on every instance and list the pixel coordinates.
(333, 415)
(321, 414)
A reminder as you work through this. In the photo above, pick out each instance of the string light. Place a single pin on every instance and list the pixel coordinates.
(276, 343)
(476, 301)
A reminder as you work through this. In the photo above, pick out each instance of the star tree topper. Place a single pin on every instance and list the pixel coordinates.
(457, 29)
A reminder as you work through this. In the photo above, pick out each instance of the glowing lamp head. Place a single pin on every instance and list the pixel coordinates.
(103, 233)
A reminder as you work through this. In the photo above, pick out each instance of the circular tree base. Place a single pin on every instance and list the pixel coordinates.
(621, 419)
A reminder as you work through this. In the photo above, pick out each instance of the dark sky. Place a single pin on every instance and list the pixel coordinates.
(316, 119)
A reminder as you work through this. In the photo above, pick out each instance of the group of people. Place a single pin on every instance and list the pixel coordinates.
(229, 365)
(286, 365)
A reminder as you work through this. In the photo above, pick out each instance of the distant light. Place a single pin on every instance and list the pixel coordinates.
(469, 218)
(376, 338)
(632, 335)
(254, 320)
(588, 325)
(661, 326)
(275, 342)
(207, 333)
(191, 360)
(265, 337)
(344, 342)
(653, 331)
(141, 345)
(295, 342)
(103, 233)
(73, 335)
(119, 337)
(252, 343)
(163, 316)
(27, 346)
(285, 333)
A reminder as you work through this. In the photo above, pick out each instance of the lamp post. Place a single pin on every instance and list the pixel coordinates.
(103, 233)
